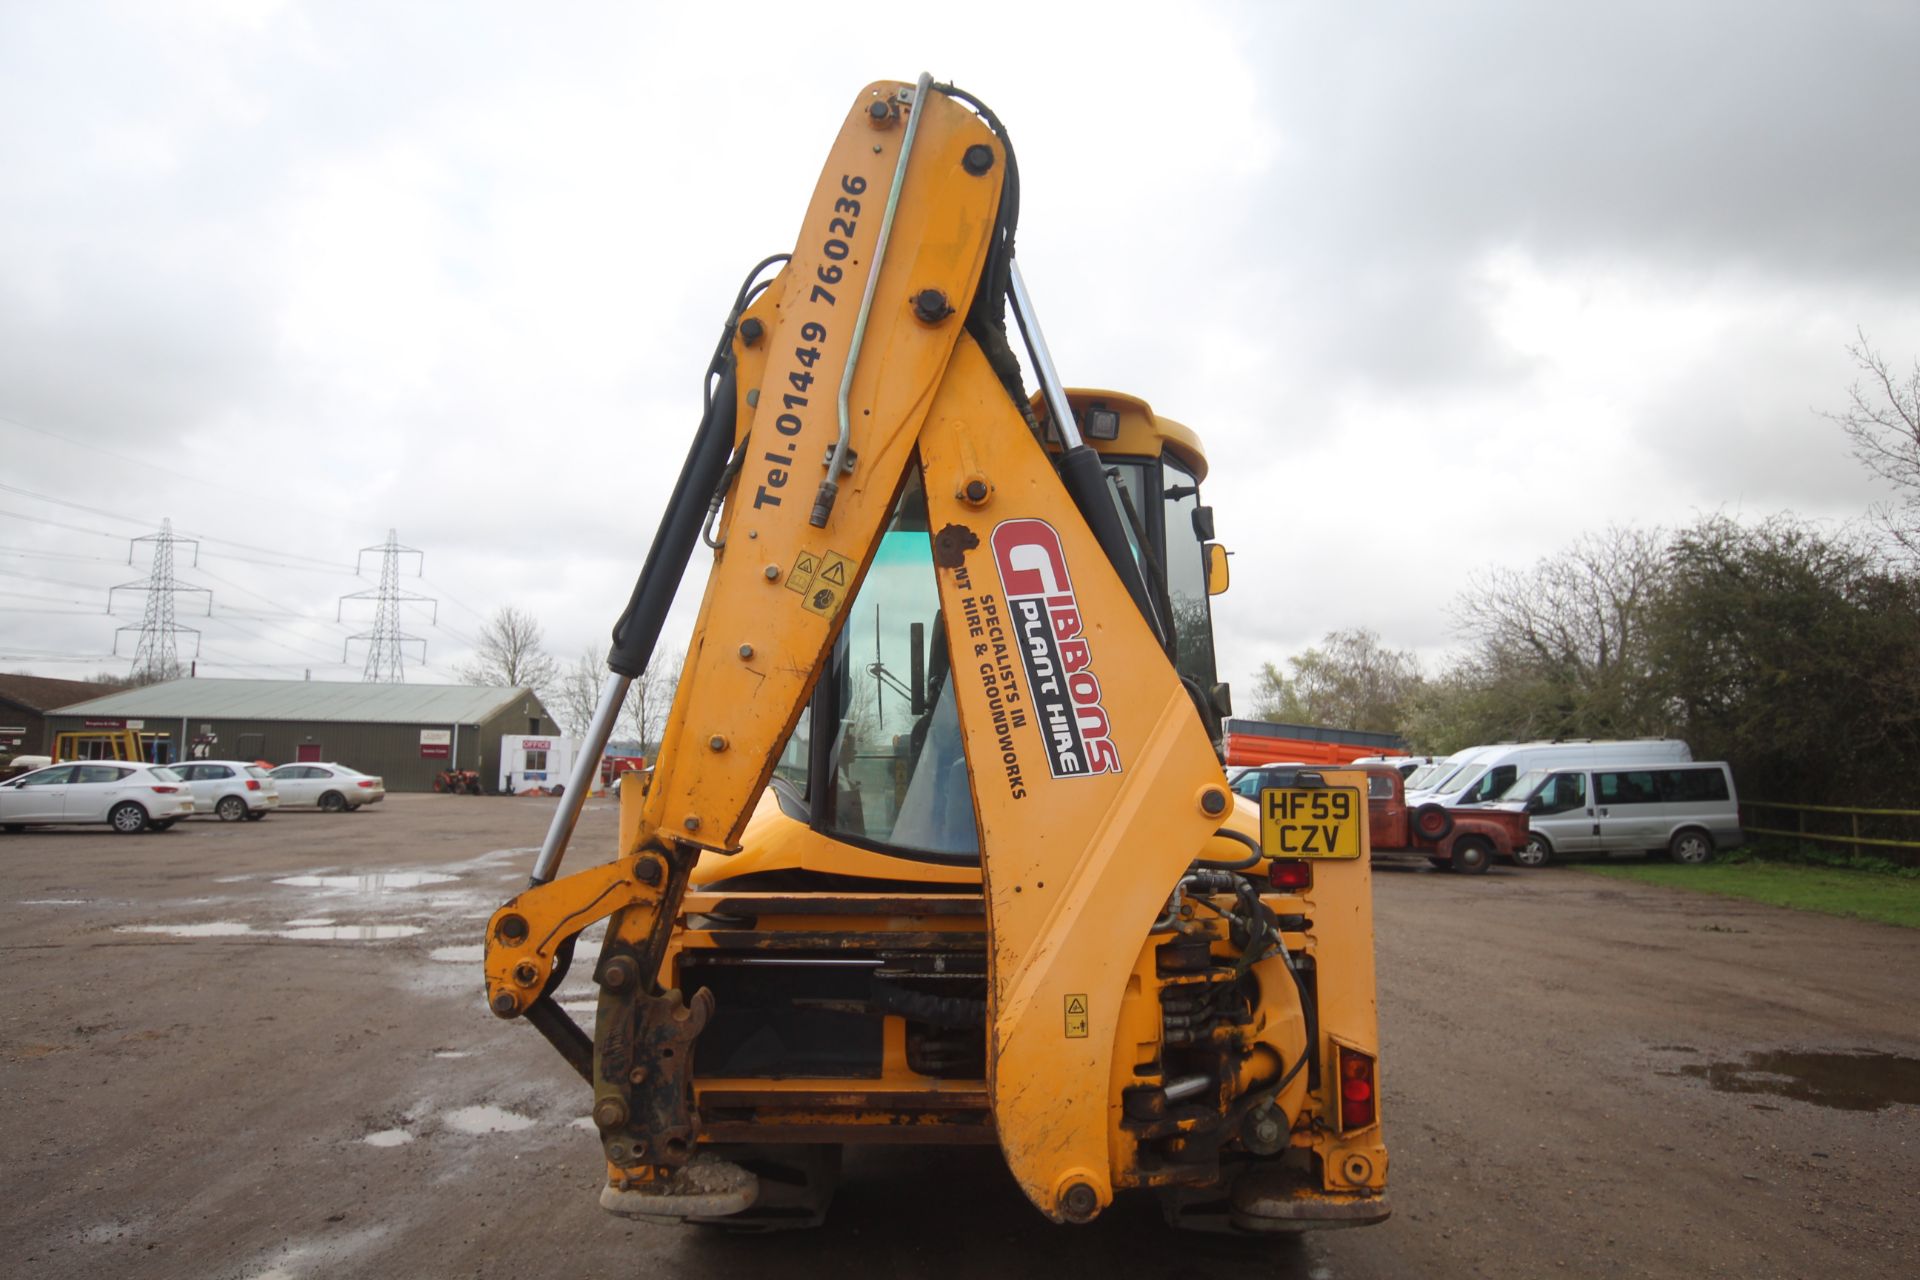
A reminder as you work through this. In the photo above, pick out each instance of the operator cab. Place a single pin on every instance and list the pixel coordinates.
(877, 760)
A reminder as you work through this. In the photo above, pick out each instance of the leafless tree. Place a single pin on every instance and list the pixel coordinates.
(1350, 681)
(1572, 631)
(577, 693)
(1882, 419)
(644, 718)
(511, 653)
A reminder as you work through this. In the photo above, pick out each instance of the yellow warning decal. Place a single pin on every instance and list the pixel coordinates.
(823, 594)
(805, 565)
(1076, 1017)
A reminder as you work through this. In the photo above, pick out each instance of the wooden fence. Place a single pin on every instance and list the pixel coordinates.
(1826, 824)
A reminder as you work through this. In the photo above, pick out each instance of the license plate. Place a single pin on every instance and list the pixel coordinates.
(1311, 822)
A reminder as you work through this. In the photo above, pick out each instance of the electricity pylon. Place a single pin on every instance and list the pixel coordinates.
(386, 643)
(156, 656)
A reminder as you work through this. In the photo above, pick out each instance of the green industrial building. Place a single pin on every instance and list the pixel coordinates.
(405, 733)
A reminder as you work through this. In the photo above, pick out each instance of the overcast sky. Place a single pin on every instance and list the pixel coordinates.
(1441, 286)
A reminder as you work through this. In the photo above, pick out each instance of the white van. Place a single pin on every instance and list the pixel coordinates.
(1492, 770)
(1407, 765)
(1458, 765)
(1687, 810)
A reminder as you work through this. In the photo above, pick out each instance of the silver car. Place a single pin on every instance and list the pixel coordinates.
(333, 787)
(230, 789)
(129, 797)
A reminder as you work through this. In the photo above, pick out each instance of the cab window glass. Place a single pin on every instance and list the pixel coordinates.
(1491, 784)
(48, 777)
(1186, 568)
(99, 773)
(1563, 791)
(897, 765)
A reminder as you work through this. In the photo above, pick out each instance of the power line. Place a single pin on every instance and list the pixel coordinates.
(93, 447)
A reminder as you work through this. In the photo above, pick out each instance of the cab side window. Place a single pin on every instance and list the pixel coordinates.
(1562, 792)
(49, 777)
(99, 773)
(1492, 783)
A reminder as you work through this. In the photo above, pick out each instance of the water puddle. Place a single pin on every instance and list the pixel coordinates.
(453, 1053)
(1844, 1081)
(388, 1138)
(212, 929)
(470, 953)
(485, 1119)
(376, 882)
(53, 902)
(309, 922)
(301, 933)
(351, 932)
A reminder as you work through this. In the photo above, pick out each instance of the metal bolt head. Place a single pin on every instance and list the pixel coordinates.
(751, 330)
(647, 871)
(637, 1076)
(505, 1005)
(619, 974)
(1213, 802)
(716, 743)
(619, 1152)
(930, 305)
(978, 160)
(512, 930)
(526, 973)
(609, 1113)
(880, 115)
(746, 651)
(692, 822)
(772, 572)
(976, 491)
(1079, 1203)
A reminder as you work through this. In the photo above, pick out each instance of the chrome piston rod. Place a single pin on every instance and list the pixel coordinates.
(612, 694)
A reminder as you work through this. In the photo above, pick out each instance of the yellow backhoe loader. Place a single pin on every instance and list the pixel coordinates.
(938, 847)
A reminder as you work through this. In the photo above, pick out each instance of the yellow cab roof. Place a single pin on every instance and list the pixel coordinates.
(1142, 431)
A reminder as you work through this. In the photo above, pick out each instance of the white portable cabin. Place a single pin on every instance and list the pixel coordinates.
(531, 762)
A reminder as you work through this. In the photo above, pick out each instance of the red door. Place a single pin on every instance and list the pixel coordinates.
(308, 753)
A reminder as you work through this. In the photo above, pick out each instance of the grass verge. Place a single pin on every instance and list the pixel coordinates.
(1865, 895)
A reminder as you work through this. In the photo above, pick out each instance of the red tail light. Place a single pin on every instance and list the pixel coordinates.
(1357, 1101)
(1290, 875)
(253, 784)
(165, 791)
(365, 782)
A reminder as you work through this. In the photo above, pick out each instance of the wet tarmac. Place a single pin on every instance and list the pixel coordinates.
(261, 1052)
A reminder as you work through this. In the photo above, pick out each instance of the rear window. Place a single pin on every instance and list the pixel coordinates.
(165, 774)
(255, 771)
(351, 773)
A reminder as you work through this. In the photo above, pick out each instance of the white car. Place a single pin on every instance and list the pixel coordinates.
(333, 787)
(230, 789)
(129, 797)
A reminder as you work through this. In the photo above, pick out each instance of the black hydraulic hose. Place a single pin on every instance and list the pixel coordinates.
(684, 520)
(638, 630)
(1243, 864)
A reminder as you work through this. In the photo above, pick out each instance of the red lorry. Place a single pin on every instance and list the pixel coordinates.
(1466, 839)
